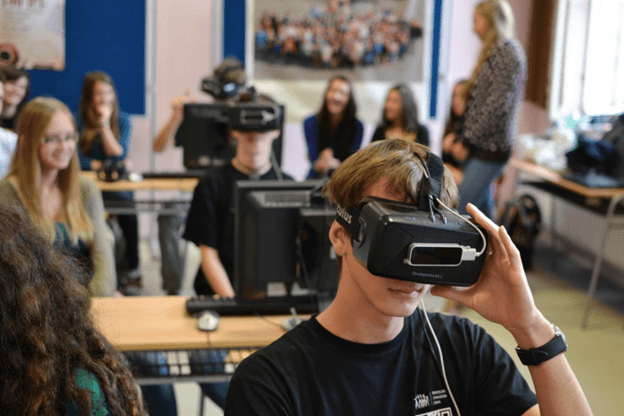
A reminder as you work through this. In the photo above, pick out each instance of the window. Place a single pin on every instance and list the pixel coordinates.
(588, 64)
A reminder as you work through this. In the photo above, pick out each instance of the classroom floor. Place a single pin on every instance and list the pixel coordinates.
(558, 281)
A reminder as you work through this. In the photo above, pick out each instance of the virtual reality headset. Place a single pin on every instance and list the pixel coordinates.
(255, 117)
(224, 86)
(416, 243)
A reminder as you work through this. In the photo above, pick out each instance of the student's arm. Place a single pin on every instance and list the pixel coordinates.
(215, 272)
(167, 133)
(110, 145)
(502, 295)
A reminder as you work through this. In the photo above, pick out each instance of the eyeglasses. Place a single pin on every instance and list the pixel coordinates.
(58, 139)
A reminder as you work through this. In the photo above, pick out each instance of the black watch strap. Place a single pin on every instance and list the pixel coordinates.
(536, 356)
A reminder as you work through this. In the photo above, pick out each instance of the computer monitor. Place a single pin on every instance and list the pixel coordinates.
(282, 248)
(204, 137)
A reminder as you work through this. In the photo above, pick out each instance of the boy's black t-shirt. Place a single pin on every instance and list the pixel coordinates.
(310, 371)
(210, 219)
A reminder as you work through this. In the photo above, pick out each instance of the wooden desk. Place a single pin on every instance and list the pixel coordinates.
(611, 221)
(161, 326)
(152, 184)
(161, 323)
(556, 179)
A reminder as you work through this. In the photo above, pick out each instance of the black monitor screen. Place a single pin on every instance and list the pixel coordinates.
(282, 247)
(203, 135)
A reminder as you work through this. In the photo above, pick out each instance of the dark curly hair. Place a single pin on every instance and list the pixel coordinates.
(47, 333)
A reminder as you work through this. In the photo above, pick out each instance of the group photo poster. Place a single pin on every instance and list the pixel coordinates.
(365, 40)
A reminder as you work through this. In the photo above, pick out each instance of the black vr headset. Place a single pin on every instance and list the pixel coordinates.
(416, 243)
(255, 116)
(219, 87)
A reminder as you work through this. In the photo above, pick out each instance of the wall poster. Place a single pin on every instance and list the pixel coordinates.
(366, 40)
(32, 34)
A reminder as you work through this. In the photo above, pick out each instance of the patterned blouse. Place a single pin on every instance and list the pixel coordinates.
(494, 102)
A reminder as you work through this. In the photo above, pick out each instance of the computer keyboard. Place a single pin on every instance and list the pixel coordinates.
(174, 175)
(230, 307)
(186, 363)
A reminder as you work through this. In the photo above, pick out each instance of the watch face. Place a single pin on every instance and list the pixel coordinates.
(559, 333)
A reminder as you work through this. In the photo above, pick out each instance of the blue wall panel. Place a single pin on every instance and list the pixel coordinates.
(107, 36)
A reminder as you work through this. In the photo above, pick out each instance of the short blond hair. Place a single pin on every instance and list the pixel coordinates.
(395, 160)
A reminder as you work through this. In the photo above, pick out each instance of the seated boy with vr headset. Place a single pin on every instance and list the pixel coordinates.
(369, 352)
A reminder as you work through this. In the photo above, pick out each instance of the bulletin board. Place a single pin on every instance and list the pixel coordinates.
(108, 36)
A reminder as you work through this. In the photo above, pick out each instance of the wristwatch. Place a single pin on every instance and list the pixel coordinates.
(536, 356)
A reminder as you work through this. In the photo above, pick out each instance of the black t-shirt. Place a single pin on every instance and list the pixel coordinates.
(210, 219)
(310, 371)
(422, 135)
(9, 123)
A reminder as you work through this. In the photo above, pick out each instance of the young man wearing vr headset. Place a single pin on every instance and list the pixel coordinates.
(371, 353)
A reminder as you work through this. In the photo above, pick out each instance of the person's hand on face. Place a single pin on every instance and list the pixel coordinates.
(501, 294)
(104, 112)
(103, 101)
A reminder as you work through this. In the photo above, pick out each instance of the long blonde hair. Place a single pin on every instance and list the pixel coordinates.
(26, 171)
(501, 25)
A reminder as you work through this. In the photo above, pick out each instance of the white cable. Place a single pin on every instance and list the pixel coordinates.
(463, 219)
(469, 222)
(435, 338)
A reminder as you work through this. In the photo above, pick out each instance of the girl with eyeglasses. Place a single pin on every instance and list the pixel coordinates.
(45, 181)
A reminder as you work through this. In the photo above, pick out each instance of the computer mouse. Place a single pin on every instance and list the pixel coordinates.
(208, 321)
(289, 323)
(135, 177)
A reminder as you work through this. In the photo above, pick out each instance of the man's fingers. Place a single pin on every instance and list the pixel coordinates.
(513, 254)
(495, 244)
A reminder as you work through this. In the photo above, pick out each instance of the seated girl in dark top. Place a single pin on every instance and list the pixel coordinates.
(399, 119)
(453, 152)
(105, 133)
(334, 133)
(53, 361)
(16, 90)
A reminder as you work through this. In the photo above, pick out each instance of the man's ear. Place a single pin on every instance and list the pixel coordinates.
(340, 239)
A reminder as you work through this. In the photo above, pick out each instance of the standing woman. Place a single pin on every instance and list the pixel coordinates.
(334, 133)
(400, 118)
(45, 180)
(105, 135)
(494, 95)
(53, 360)
(16, 90)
